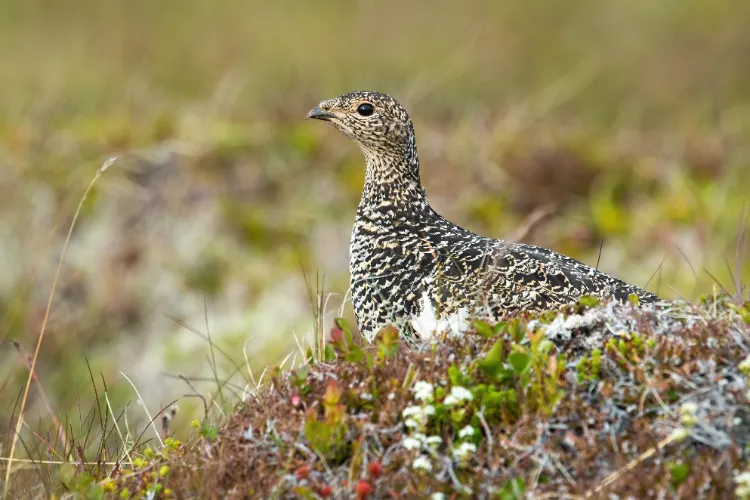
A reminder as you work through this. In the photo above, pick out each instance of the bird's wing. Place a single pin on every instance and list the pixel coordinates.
(526, 277)
(571, 278)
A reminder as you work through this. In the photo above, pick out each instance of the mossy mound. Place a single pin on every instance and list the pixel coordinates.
(600, 399)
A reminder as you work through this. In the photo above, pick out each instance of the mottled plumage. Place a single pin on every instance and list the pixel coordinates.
(406, 259)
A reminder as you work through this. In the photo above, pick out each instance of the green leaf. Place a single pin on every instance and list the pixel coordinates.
(300, 375)
(343, 325)
(517, 330)
(520, 362)
(633, 299)
(500, 327)
(330, 354)
(679, 472)
(327, 438)
(492, 363)
(483, 329)
(388, 342)
(456, 377)
(355, 355)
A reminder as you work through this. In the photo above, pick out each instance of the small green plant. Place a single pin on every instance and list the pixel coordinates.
(679, 471)
(205, 430)
(512, 489)
(328, 436)
(588, 368)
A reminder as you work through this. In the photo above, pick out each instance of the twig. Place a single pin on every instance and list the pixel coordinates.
(634, 463)
(599, 257)
(531, 222)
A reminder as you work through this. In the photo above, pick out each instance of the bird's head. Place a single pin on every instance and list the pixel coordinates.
(377, 123)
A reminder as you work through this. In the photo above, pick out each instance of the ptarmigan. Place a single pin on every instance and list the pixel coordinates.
(408, 263)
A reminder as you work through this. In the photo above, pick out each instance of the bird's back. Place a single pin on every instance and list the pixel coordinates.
(402, 256)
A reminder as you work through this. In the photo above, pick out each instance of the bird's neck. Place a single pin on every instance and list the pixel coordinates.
(393, 176)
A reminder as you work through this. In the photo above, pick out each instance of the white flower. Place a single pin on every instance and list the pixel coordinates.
(744, 365)
(742, 485)
(467, 431)
(688, 408)
(417, 416)
(679, 434)
(411, 411)
(423, 391)
(457, 395)
(411, 443)
(687, 414)
(422, 463)
(464, 450)
(437, 496)
(433, 440)
(366, 396)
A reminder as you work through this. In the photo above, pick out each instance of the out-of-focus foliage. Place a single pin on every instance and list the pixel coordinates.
(629, 118)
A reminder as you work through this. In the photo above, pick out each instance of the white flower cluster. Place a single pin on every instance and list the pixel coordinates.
(467, 431)
(418, 441)
(463, 451)
(416, 419)
(424, 391)
(422, 463)
(417, 416)
(457, 396)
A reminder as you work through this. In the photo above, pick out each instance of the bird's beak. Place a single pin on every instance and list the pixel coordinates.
(318, 114)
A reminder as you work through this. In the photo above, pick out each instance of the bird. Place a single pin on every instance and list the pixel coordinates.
(413, 269)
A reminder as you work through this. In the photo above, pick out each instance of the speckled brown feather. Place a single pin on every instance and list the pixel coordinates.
(403, 252)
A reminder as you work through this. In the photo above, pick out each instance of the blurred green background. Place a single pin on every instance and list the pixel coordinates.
(629, 119)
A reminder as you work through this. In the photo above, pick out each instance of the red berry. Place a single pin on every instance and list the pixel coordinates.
(302, 472)
(375, 468)
(337, 335)
(324, 491)
(363, 489)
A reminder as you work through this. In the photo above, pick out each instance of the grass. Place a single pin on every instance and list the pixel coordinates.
(630, 151)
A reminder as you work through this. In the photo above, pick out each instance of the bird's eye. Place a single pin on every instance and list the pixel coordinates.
(365, 109)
